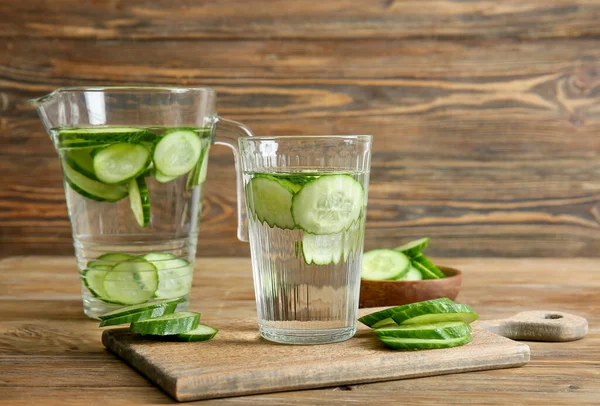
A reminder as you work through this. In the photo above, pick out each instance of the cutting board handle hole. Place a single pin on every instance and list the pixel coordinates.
(552, 316)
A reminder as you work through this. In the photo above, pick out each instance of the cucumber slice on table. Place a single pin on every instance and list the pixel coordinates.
(140, 315)
(414, 247)
(81, 160)
(177, 152)
(427, 268)
(435, 313)
(433, 331)
(124, 311)
(413, 274)
(200, 333)
(131, 282)
(90, 188)
(384, 264)
(174, 275)
(270, 199)
(328, 205)
(139, 200)
(384, 317)
(422, 344)
(171, 324)
(120, 162)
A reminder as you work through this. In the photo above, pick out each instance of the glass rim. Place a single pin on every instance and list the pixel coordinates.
(360, 137)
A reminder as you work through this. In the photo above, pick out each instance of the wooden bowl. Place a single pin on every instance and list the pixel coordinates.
(395, 293)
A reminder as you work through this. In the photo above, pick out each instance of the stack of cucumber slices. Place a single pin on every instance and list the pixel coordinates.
(160, 319)
(327, 207)
(129, 280)
(108, 163)
(437, 323)
(406, 262)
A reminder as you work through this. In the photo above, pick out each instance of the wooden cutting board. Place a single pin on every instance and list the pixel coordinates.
(239, 362)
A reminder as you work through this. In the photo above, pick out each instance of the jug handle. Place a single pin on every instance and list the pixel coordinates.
(227, 133)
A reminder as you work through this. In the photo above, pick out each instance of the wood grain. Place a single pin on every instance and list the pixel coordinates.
(51, 354)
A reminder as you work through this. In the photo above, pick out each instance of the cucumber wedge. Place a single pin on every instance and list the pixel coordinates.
(131, 282)
(139, 200)
(413, 274)
(414, 247)
(271, 200)
(427, 268)
(434, 331)
(328, 205)
(171, 324)
(384, 317)
(200, 333)
(120, 162)
(124, 311)
(90, 188)
(435, 313)
(174, 275)
(384, 264)
(422, 344)
(177, 152)
(141, 315)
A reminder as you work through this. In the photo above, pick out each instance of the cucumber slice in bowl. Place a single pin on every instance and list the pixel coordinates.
(90, 188)
(414, 247)
(271, 200)
(413, 274)
(120, 162)
(384, 264)
(422, 344)
(171, 324)
(139, 200)
(124, 311)
(384, 317)
(328, 204)
(131, 282)
(177, 152)
(433, 331)
(427, 267)
(174, 275)
(200, 333)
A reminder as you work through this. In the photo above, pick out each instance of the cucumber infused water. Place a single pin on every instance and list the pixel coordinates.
(134, 197)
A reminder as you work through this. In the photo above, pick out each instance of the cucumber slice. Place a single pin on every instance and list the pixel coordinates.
(384, 264)
(70, 145)
(198, 174)
(90, 188)
(124, 311)
(427, 268)
(271, 200)
(328, 205)
(118, 163)
(162, 178)
(131, 282)
(93, 278)
(174, 275)
(323, 249)
(140, 315)
(421, 344)
(414, 247)
(435, 314)
(139, 200)
(106, 135)
(171, 324)
(434, 331)
(384, 317)
(413, 274)
(81, 160)
(200, 333)
(177, 152)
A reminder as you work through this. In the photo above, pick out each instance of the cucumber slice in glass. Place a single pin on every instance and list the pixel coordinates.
(433, 331)
(120, 162)
(177, 152)
(106, 135)
(427, 268)
(90, 188)
(384, 317)
(323, 249)
(328, 205)
(112, 258)
(384, 264)
(435, 314)
(422, 344)
(162, 178)
(414, 247)
(139, 200)
(171, 324)
(413, 274)
(140, 315)
(131, 282)
(93, 278)
(198, 175)
(271, 200)
(200, 333)
(174, 275)
(124, 311)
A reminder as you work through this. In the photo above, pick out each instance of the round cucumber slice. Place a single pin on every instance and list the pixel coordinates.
(413, 274)
(162, 178)
(323, 249)
(131, 282)
(384, 317)
(139, 200)
(174, 275)
(433, 331)
(93, 278)
(171, 324)
(120, 162)
(414, 247)
(124, 311)
(177, 152)
(384, 264)
(140, 315)
(270, 200)
(328, 205)
(422, 344)
(200, 333)
(90, 188)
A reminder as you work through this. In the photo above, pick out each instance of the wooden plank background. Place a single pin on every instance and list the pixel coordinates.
(486, 114)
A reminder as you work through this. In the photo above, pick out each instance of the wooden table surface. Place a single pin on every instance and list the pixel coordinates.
(50, 353)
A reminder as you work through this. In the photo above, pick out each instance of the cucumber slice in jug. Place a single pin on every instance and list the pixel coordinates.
(140, 315)
(428, 269)
(139, 200)
(328, 205)
(106, 135)
(90, 188)
(120, 162)
(81, 160)
(414, 247)
(131, 282)
(124, 311)
(384, 264)
(271, 200)
(433, 331)
(200, 333)
(177, 152)
(422, 344)
(384, 317)
(198, 175)
(162, 178)
(174, 275)
(171, 324)
(435, 313)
